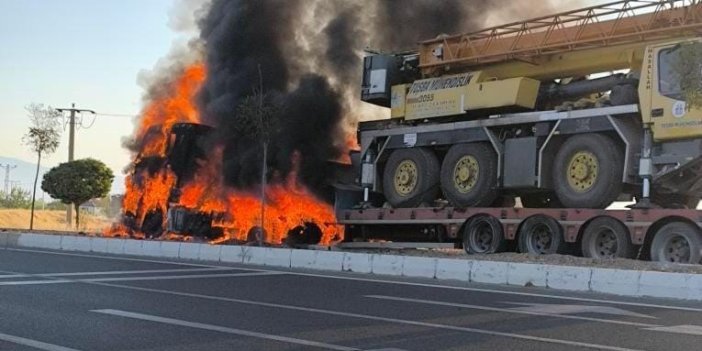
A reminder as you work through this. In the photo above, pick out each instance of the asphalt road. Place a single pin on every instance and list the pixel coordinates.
(63, 301)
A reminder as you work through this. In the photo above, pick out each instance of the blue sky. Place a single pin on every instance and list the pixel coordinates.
(85, 51)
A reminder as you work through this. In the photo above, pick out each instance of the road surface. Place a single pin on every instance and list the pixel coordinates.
(62, 301)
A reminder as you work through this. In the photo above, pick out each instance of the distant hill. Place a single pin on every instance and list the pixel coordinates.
(23, 176)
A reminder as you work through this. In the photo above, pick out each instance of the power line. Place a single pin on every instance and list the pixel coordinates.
(115, 115)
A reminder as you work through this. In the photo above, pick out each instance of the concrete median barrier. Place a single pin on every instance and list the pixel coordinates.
(574, 278)
(489, 272)
(419, 267)
(232, 254)
(568, 278)
(452, 269)
(614, 281)
(357, 262)
(387, 264)
(191, 251)
(526, 274)
(277, 257)
(210, 252)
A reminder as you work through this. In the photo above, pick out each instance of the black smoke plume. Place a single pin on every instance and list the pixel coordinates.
(309, 55)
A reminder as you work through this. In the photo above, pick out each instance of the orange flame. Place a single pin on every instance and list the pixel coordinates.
(288, 204)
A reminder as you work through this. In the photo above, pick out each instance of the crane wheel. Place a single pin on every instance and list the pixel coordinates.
(411, 177)
(677, 242)
(541, 235)
(606, 237)
(483, 234)
(469, 175)
(588, 171)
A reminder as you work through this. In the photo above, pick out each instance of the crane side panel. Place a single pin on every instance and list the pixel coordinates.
(436, 97)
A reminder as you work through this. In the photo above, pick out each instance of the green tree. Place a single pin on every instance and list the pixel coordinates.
(17, 198)
(257, 117)
(77, 182)
(42, 138)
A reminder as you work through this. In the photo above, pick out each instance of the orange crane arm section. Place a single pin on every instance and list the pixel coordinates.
(630, 24)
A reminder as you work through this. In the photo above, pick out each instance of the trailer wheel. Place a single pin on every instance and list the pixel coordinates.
(411, 177)
(469, 175)
(588, 171)
(483, 234)
(541, 235)
(677, 242)
(606, 237)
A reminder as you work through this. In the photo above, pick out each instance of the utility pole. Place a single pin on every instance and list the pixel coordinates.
(264, 169)
(8, 167)
(71, 145)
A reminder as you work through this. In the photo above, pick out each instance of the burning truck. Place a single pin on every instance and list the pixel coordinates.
(184, 163)
(177, 186)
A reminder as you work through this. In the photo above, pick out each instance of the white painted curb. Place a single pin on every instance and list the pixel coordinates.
(602, 280)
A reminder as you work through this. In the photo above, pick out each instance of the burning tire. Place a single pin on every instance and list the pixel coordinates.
(483, 234)
(677, 242)
(541, 235)
(152, 226)
(588, 171)
(469, 175)
(411, 177)
(307, 234)
(256, 235)
(606, 237)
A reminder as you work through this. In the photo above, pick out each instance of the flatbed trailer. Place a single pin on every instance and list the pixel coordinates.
(671, 235)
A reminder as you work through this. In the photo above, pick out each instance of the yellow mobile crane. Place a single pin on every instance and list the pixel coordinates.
(567, 112)
(514, 110)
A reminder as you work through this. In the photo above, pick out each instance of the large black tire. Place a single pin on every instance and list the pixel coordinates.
(411, 193)
(256, 235)
(587, 171)
(677, 242)
(606, 237)
(469, 175)
(483, 234)
(308, 233)
(152, 226)
(541, 235)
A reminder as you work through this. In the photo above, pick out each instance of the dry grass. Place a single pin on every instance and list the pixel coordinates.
(49, 220)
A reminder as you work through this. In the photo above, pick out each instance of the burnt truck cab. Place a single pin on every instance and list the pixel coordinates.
(185, 151)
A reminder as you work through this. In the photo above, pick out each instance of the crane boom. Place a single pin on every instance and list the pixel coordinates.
(617, 24)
